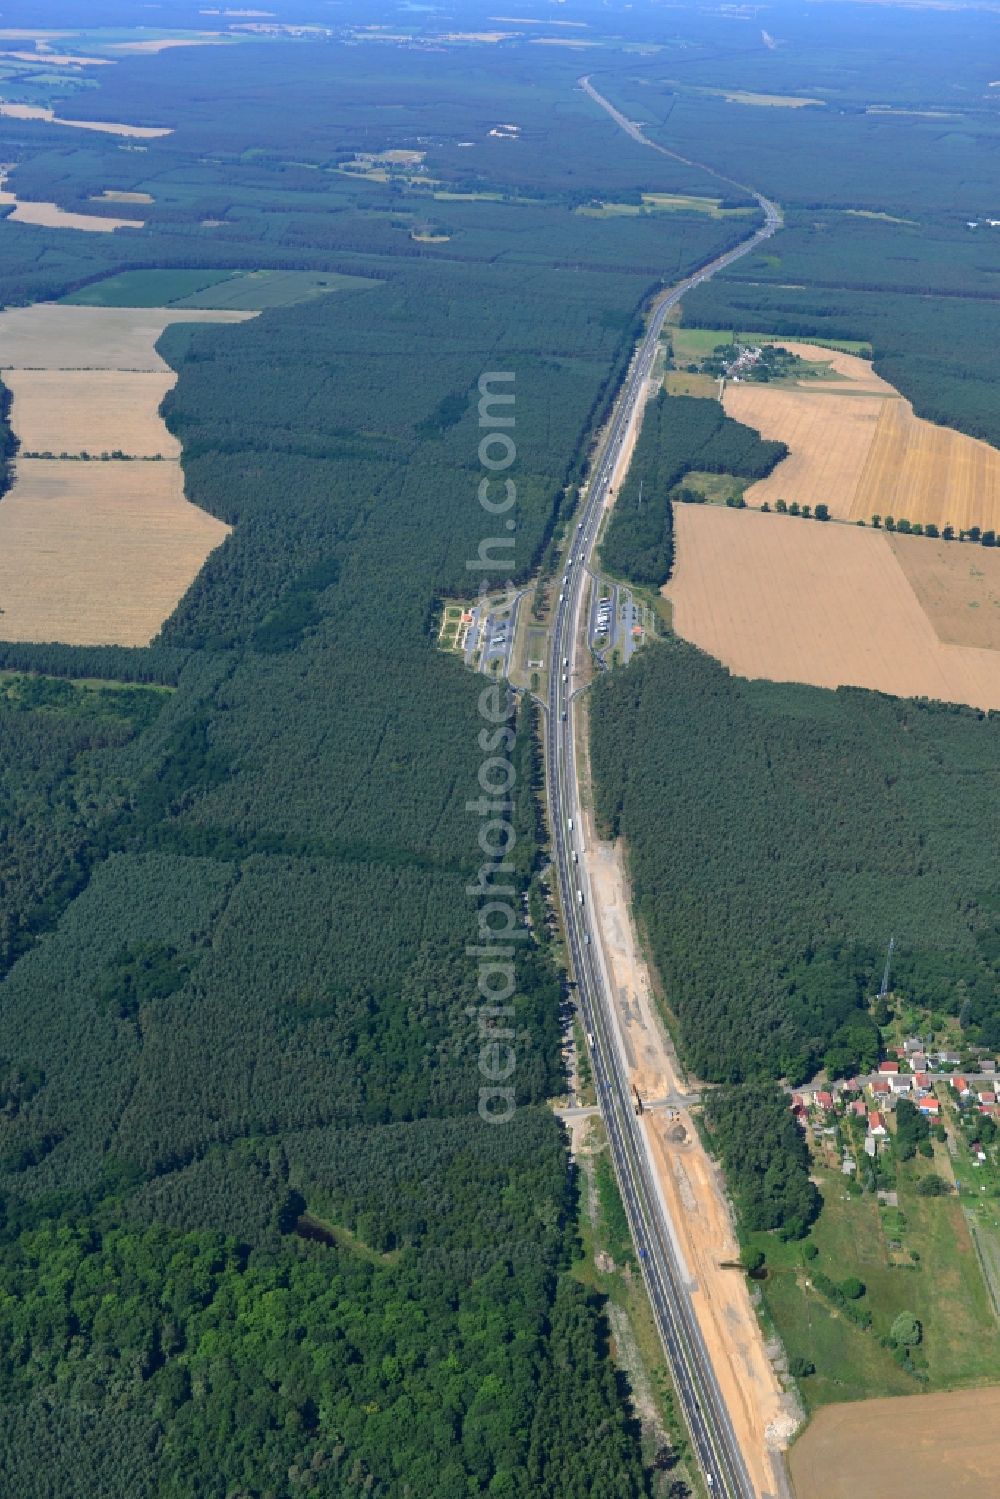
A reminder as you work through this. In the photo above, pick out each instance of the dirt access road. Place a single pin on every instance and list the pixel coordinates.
(763, 1415)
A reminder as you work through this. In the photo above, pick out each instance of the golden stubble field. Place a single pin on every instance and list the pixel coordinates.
(857, 447)
(921, 1447)
(791, 600)
(91, 411)
(48, 336)
(95, 553)
(98, 553)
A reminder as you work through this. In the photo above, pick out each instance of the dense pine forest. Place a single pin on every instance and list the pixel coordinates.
(771, 871)
(256, 1238)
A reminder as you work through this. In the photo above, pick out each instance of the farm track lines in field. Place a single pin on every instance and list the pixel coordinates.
(857, 446)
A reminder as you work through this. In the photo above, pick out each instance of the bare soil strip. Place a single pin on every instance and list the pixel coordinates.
(793, 600)
(920, 1446)
(764, 1417)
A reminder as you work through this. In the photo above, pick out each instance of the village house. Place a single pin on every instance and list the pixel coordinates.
(888, 1067)
(900, 1082)
(876, 1125)
(960, 1085)
(922, 1082)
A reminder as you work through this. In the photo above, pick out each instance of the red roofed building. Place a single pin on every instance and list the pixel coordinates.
(887, 1067)
(960, 1084)
(824, 1101)
(876, 1124)
(923, 1081)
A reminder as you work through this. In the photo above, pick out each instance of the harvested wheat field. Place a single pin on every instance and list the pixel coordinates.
(163, 44)
(91, 411)
(923, 1446)
(49, 336)
(792, 600)
(95, 553)
(107, 127)
(51, 216)
(856, 446)
(98, 553)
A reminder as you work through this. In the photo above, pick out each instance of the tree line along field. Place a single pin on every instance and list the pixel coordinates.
(198, 1057)
(792, 600)
(857, 447)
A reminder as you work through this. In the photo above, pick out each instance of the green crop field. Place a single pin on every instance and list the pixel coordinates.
(253, 291)
(145, 288)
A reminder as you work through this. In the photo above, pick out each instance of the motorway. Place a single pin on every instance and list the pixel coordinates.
(705, 1413)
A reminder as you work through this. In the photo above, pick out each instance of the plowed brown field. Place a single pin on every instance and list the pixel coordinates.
(857, 447)
(920, 1447)
(798, 601)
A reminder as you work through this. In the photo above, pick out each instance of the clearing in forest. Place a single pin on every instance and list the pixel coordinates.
(95, 552)
(795, 600)
(856, 446)
(923, 1446)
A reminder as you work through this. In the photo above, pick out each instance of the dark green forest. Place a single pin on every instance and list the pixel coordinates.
(771, 869)
(256, 1238)
(678, 433)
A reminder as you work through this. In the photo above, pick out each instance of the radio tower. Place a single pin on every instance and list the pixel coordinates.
(885, 972)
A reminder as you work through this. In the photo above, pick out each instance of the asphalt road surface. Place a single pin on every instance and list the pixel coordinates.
(708, 1421)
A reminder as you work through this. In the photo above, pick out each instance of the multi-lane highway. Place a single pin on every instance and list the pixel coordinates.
(701, 1400)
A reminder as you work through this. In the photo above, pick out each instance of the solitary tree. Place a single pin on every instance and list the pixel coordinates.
(906, 1331)
(932, 1186)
